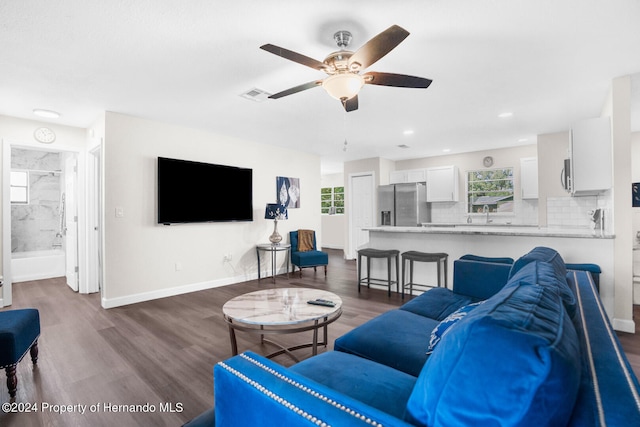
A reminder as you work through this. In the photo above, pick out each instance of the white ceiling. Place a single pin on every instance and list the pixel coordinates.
(548, 62)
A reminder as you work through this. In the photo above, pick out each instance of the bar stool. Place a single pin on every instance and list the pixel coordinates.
(378, 253)
(411, 256)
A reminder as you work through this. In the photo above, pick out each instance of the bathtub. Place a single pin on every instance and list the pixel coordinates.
(36, 265)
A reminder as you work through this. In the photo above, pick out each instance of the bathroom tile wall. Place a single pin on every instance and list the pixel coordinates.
(34, 226)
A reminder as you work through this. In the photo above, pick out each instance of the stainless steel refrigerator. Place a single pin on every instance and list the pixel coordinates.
(403, 204)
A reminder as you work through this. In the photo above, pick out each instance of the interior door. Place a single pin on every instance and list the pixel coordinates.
(69, 219)
(361, 212)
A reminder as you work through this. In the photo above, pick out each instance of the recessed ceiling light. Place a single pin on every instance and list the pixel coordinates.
(46, 113)
(408, 132)
(505, 115)
(446, 150)
(523, 140)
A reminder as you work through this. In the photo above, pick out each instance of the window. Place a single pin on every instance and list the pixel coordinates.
(332, 200)
(19, 187)
(490, 190)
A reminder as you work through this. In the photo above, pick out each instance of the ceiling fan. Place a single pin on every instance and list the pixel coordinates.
(344, 67)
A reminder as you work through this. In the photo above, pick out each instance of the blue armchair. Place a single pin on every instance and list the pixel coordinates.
(310, 258)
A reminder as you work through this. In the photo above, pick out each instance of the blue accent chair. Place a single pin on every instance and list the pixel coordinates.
(19, 332)
(313, 258)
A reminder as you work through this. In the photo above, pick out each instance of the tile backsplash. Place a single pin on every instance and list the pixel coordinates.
(574, 211)
(567, 212)
(525, 213)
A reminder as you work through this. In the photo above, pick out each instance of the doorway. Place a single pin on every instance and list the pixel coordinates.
(361, 212)
(43, 232)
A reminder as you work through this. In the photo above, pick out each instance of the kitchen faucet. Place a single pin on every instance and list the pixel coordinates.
(485, 209)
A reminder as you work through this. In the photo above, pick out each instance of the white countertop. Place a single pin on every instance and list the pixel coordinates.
(498, 230)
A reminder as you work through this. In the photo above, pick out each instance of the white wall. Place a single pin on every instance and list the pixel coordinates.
(141, 256)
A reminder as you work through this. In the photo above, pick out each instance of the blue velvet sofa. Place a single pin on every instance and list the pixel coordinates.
(523, 343)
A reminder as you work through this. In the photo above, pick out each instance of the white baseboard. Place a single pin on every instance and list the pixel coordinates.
(332, 246)
(624, 325)
(170, 292)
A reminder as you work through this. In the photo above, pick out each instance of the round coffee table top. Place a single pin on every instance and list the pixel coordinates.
(282, 306)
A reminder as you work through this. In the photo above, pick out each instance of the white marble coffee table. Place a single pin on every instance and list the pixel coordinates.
(281, 311)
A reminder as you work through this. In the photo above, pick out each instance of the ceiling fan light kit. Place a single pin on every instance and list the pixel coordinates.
(344, 80)
(343, 86)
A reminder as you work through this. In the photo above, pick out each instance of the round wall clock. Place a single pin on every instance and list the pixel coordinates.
(44, 135)
(487, 161)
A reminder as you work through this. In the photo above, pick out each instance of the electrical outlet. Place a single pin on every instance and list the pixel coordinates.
(178, 266)
(227, 257)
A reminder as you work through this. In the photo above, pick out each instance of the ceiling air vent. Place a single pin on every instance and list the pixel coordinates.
(403, 146)
(256, 94)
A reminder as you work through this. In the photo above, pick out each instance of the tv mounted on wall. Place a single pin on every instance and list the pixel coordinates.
(203, 192)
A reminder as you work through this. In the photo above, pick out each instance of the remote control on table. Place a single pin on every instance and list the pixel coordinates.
(322, 302)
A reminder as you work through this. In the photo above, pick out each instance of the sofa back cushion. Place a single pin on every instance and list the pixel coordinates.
(497, 260)
(513, 360)
(544, 254)
(545, 274)
(479, 280)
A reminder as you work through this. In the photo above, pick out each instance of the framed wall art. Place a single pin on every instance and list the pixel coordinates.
(288, 191)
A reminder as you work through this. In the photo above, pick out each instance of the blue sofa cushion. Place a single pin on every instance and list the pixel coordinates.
(18, 330)
(514, 360)
(445, 326)
(369, 382)
(544, 273)
(436, 303)
(544, 254)
(479, 279)
(397, 338)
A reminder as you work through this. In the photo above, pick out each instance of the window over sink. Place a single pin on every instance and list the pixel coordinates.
(490, 190)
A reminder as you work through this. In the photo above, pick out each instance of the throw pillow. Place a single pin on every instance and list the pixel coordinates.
(445, 326)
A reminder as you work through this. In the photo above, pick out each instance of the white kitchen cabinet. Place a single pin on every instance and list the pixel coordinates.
(591, 157)
(417, 175)
(397, 177)
(409, 175)
(442, 184)
(529, 177)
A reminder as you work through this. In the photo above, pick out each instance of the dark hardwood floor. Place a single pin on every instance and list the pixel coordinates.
(156, 352)
(160, 352)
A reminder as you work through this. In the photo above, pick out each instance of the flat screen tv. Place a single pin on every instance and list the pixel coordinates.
(203, 192)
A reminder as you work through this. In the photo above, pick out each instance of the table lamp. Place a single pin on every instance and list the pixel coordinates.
(275, 212)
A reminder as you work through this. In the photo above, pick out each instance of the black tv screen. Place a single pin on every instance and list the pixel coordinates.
(203, 192)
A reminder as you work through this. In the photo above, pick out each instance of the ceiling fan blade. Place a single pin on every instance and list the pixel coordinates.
(296, 89)
(294, 56)
(396, 80)
(350, 104)
(377, 47)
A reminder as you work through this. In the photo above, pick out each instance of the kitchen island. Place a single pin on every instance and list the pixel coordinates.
(576, 245)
